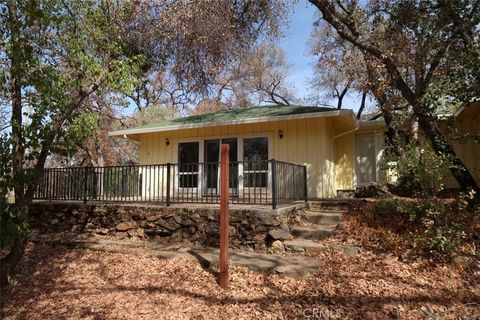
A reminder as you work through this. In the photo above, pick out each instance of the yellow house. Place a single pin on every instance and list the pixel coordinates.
(339, 152)
(467, 121)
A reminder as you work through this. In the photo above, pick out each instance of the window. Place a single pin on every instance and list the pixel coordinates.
(188, 155)
(255, 157)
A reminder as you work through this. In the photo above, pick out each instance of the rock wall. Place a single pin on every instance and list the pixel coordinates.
(198, 226)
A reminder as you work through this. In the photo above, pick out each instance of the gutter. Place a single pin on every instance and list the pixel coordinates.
(357, 126)
(324, 114)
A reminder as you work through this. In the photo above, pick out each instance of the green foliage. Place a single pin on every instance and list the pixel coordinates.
(12, 226)
(430, 224)
(67, 51)
(80, 129)
(420, 173)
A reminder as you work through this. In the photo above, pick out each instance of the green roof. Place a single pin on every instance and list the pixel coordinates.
(237, 114)
(232, 116)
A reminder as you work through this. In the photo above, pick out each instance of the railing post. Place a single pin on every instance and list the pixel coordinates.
(274, 184)
(168, 185)
(85, 187)
(305, 185)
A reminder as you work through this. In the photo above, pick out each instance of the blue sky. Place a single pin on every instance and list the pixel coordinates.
(295, 44)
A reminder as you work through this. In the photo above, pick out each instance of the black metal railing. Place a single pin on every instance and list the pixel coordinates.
(251, 182)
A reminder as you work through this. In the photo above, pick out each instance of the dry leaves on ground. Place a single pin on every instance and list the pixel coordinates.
(56, 282)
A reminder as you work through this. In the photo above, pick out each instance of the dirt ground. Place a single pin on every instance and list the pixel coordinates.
(382, 282)
(63, 283)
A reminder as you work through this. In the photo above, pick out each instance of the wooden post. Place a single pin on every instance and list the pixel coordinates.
(224, 215)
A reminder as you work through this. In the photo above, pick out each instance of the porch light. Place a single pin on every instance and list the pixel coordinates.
(280, 134)
(167, 141)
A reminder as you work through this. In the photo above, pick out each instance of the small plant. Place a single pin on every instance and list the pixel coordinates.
(431, 224)
(420, 173)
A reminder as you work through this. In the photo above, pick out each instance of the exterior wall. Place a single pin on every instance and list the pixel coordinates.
(345, 154)
(305, 141)
(467, 122)
(345, 162)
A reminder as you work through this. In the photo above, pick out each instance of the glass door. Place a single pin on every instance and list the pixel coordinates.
(211, 159)
(212, 168)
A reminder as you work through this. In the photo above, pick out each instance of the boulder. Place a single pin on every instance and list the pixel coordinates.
(140, 232)
(170, 225)
(157, 232)
(266, 219)
(153, 218)
(212, 216)
(103, 232)
(120, 235)
(259, 237)
(373, 190)
(460, 262)
(280, 234)
(277, 246)
(125, 226)
(348, 249)
(185, 222)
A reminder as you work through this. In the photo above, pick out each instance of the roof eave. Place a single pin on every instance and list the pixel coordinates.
(324, 114)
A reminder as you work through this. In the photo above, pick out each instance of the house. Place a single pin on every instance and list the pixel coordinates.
(339, 152)
(278, 155)
(467, 121)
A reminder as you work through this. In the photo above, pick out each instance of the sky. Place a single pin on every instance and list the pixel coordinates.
(295, 44)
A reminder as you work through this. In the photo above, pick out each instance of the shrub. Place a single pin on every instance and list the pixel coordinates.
(420, 173)
(430, 224)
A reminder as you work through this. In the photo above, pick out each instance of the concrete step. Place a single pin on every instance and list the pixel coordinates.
(329, 205)
(329, 218)
(293, 266)
(313, 233)
(304, 245)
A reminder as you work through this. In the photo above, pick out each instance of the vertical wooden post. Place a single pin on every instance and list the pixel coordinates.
(224, 215)
(274, 184)
(167, 202)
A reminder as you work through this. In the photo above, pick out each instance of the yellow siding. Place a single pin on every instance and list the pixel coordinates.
(305, 141)
(467, 122)
(344, 155)
(344, 158)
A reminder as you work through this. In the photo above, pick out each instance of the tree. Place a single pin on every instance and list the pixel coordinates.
(259, 76)
(57, 55)
(193, 42)
(339, 69)
(414, 42)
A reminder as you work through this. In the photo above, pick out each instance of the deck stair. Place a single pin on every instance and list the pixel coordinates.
(320, 221)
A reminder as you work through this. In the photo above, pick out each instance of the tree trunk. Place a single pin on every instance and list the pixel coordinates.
(16, 95)
(442, 147)
(362, 104)
(9, 262)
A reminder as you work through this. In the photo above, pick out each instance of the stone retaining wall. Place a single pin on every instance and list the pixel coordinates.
(199, 226)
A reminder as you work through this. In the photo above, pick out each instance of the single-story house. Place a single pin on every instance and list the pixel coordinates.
(339, 152)
(278, 155)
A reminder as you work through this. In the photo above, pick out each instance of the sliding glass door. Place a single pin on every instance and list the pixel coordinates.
(212, 169)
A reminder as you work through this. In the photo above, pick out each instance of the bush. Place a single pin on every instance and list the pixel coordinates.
(430, 224)
(420, 173)
(12, 226)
